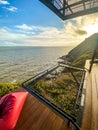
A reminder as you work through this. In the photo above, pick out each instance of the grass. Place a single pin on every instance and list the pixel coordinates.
(6, 88)
(62, 91)
(80, 61)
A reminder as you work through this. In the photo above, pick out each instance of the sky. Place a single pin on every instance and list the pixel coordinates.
(30, 23)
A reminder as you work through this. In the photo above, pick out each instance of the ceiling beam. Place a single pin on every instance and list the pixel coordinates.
(68, 6)
(74, 4)
(81, 13)
(71, 7)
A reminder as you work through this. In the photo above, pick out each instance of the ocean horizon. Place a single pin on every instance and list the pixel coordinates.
(18, 63)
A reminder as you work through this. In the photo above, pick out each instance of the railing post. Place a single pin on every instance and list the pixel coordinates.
(74, 77)
(94, 54)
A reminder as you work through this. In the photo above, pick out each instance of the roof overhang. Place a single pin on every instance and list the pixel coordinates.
(67, 9)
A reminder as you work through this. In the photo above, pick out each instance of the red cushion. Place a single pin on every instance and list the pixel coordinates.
(10, 108)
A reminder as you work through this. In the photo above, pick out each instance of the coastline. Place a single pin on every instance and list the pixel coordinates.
(20, 64)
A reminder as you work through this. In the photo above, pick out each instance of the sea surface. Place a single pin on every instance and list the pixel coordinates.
(18, 64)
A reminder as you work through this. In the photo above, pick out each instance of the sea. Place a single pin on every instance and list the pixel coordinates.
(17, 64)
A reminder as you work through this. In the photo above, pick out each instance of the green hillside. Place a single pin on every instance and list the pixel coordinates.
(83, 51)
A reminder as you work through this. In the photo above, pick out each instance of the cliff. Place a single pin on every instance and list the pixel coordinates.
(83, 51)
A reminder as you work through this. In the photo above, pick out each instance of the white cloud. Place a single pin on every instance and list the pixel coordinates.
(33, 28)
(73, 33)
(48, 37)
(24, 27)
(45, 38)
(84, 26)
(11, 8)
(4, 2)
(6, 36)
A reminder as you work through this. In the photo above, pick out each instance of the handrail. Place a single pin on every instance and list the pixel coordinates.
(71, 67)
(79, 92)
(65, 116)
(70, 118)
(80, 85)
(41, 75)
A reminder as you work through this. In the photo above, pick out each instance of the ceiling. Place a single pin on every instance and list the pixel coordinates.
(67, 9)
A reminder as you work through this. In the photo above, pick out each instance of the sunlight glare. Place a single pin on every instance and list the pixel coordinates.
(91, 29)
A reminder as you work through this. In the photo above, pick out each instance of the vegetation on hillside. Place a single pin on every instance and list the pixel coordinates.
(62, 91)
(84, 51)
(6, 88)
(80, 61)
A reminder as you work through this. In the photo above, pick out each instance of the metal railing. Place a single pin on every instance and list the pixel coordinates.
(94, 54)
(79, 85)
(57, 110)
(78, 94)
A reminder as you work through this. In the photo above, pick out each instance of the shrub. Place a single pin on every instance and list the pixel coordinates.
(6, 88)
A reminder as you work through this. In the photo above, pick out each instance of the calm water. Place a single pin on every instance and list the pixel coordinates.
(21, 63)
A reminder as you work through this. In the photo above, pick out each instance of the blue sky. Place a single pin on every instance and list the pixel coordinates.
(30, 12)
(30, 23)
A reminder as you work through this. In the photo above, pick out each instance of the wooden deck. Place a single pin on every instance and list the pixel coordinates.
(90, 115)
(36, 116)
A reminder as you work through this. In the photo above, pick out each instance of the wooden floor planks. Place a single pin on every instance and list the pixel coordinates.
(36, 116)
(87, 111)
(90, 115)
(94, 116)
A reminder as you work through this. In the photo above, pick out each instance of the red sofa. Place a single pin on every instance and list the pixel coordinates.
(10, 108)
